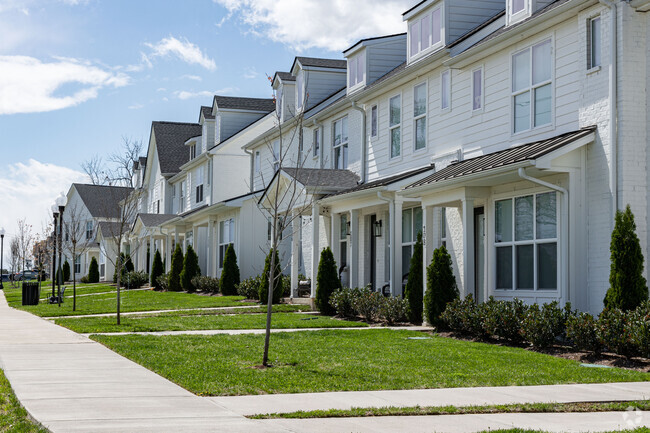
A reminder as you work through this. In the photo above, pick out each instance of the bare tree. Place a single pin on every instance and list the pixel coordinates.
(118, 170)
(25, 240)
(77, 241)
(14, 258)
(94, 168)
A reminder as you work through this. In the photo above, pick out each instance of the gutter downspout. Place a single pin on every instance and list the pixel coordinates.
(364, 140)
(564, 259)
(391, 218)
(252, 176)
(613, 95)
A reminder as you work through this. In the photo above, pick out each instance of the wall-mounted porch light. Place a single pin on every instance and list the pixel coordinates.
(377, 228)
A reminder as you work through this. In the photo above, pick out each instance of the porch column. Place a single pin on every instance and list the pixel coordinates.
(354, 248)
(315, 248)
(427, 242)
(295, 252)
(396, 286)
(468, 247)
(168, 252)
(152, 251)
(209, 251)
(335, 241)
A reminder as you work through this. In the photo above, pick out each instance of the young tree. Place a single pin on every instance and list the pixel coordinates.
(14, 258)
(628, 288)
(230, 274)
(441, 285)
(93, 271)
(271, 262)
(176, 269)
(414, 288)
(25, 240)
(327, 282)
(156, 270)
(190, 269)
(76, 241)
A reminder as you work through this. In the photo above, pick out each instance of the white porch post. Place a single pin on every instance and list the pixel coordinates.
(296, 227)
(209, 251)
(168, 252)
(468, 247)
(354, 248)
(315, 248)
(152, 251)
(427, 242)
(396, 286)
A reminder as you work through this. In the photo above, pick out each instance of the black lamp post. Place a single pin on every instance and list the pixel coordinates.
(60, 202)
(2, 246)
(55, 213)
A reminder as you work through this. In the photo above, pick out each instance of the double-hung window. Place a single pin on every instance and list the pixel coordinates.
(445, 89)
(526, 242)
(425, 32)
(517, 6)
(77, 264)
(395, 125)
(181, 198)
(532, 86)
(89, 229)
(341, 143)
(373, 121)
(411, 226)
(420, 115)
(193, 151)
(357, 69)
(594, 43)
(316, 142)
(276, 155)
(226, 238)
(477, 89)
(199, 184)
(343, 241)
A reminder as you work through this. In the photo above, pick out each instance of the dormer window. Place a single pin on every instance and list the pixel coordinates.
(425, 32)
(518, 6)
(193, 151)
(357, 69)
(518, 10)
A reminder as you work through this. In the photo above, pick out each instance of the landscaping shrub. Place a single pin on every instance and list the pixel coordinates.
(277, 278)
(628, 288)
(134, 279)
(66, 271)
(414, 290)
(441, 285)
(157, 270)
(393, 309)
(250, 287)
(176, 269)
(93, 272)
(342, 300)
(190, 270)
(464, 315)
(504, 319)
(581, 330)
(615, 331)
(366, 303)
(286, 286)
(541, 325)
(163, 281)
(641, 329)
(127, 266)
(206, 284)
(230, 273)
(327, 281)
(84, 279)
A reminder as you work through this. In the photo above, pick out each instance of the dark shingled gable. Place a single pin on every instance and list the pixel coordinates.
(323, 177)
(170, 142)
(102, 201)
(237, 103)
(285, 76)
(207, 112)
(323, 63)
(155, 219)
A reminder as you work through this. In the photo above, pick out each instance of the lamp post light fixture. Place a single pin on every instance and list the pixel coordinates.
(60, 201)
(55, 214)
(377, 229)
(2, 246)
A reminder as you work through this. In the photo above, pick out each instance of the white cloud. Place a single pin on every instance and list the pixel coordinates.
(30, 189)
(183, 94)
(28, 85)
(250, 73)
(318, 24)
(182, 49)
(135, 106)
(192, 77)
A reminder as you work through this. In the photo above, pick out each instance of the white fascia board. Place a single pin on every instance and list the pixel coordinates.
(546, 161)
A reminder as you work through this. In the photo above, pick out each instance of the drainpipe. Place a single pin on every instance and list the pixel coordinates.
(391, 218)
(564, 224)
(613, 96)
(364, 140)
(252, 168)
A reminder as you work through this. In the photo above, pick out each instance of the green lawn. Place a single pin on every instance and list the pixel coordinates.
(330, 360)
(13, 417)
(140, 300)
(193, 322)
(14, 295)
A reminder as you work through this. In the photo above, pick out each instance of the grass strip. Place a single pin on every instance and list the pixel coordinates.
(13, 417)
(643, 405)
(518, 430)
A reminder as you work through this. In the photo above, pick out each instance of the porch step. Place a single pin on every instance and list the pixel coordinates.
(301, 301)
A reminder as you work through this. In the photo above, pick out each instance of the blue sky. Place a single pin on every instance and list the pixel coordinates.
(78, 75)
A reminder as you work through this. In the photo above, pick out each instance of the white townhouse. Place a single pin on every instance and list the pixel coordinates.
(87, 208)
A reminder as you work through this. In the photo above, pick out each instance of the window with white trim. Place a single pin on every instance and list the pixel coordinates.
(357, 69)
(316, 142)
(77, 264)
(532, 86)
(340, 144)
(411, 226)
(445, 89)
(477, 89)
(181, 198)
(425, 32)
(258, 161)
(226, 238)
(343, 240)
(443, 227)
(395, 125)
(198, 185)
(517, 6)
(89, 229)
(373, 121)
(192, 151)
(276, 155)
(593, 42)
(420, 115)
(525, 241)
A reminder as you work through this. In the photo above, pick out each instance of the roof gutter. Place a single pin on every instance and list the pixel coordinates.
(364, 140)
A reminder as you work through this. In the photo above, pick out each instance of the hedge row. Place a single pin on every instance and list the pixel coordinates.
(369, 305)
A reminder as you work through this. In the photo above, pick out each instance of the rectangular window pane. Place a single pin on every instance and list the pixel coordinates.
(425, 37)
(406, 258)
(395, 111)
(352, 71)
(344, 129)
(443, 222)
(503, 221)
(373, 121)
(525, 272)
(407, 225)
(337, 133)
(395, 136)
(445, 89)
(417, 222)
(546, 216)
(542, 62)
(543, 105)
(415, 38)
(361, 67)
(547, 266)
(522, 112)
(343, 254)
(524, 218)
(504, 268)
(518, 6)
(477, 89)
(420, 100)
(421, 133)
(521, 70)
(595, 42)
(344, 227)
(436, 28)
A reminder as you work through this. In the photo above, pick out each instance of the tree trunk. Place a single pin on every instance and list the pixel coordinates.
(74, 280)
(269, 310)
(119, 274)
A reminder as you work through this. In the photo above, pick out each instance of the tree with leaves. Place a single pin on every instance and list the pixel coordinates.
(157, 269)
(230, 274)
(176, 269)
(327, 282)
(190, 270)
(441, 285)
(414, 289)
(627, 286)
(93, 271)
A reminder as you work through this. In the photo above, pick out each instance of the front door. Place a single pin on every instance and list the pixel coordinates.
(373, 252)
(479, 253)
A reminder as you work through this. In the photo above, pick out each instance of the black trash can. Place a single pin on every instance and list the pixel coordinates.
(30, 293)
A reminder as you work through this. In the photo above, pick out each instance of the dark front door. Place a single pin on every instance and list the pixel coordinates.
(373, 252)
(479, 253)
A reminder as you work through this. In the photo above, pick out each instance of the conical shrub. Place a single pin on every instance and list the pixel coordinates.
(327, 281)
(156, 270)
(230, 274)
(190, 270)
(93, 271)
(414, 290)
(441, 285)
(176, 269)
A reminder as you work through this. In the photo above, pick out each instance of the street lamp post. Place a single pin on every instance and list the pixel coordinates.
(61, 201)
(2, 246)
(55, 213)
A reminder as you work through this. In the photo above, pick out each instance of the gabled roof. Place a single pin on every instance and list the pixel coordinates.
(238, 103)
(206, 112)
(376, 38)
(102, 201)
(514, 155)
(284, 76)
(385, 181)
(323, 177)
(154, 219)
(109, 229)
(170, 143)
(321, 63)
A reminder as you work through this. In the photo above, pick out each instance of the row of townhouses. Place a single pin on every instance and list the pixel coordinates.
(507, 130)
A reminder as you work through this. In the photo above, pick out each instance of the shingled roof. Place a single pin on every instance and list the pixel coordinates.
(285, 76)
(110, 229)
(207, 112)
(170, 143)
(102, 201)
(237, 103)
(155, 219)
(323, 177)
(323, 63)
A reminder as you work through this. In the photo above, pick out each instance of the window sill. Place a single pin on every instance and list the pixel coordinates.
(594, 70)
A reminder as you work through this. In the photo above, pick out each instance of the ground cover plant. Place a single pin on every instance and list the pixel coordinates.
(331, 360)
(199, 322)
(13, 417)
